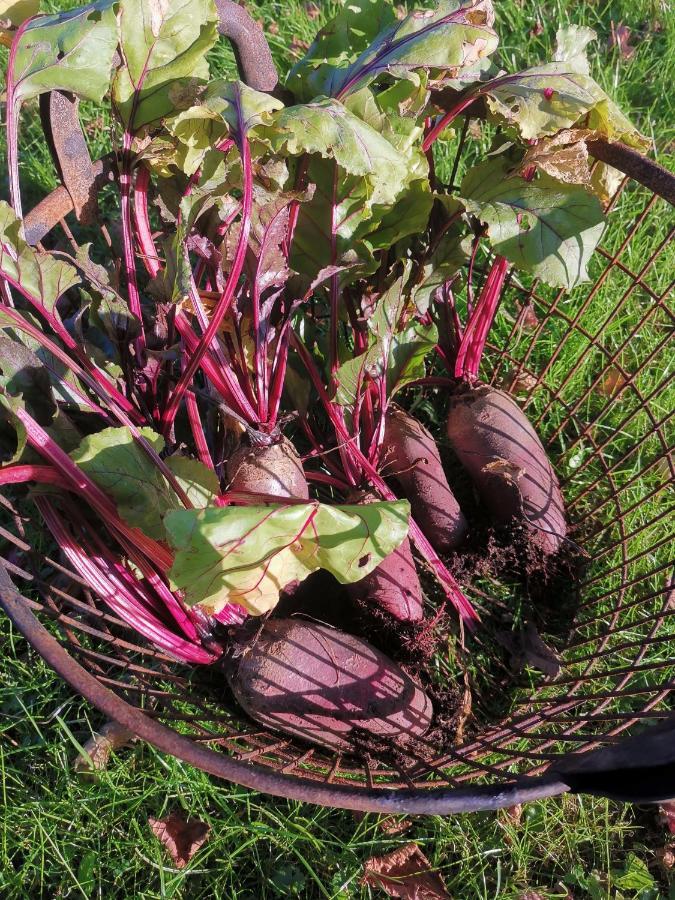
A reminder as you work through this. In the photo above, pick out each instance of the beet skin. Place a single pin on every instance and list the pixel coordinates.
(411, 456)
(500, 449)
(324, 686)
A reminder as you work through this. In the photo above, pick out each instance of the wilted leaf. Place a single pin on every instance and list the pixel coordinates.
(70, 51)
(665, 856)
(199, 128)
(406, 873)
(620, 38)
(163, 46)
(38, 273)
(12, 14)
(181, 836)
(563, 156)
(545, 99)
(543, 226)
(248, 555)
(97, 750)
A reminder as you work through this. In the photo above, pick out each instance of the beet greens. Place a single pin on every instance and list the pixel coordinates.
(284, 274)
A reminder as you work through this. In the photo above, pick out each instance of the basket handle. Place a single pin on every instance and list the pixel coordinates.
(82, 178)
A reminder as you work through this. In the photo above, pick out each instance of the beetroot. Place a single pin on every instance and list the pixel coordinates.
(394, 585)
(500, 449)
(325, 686)
(275, 469)
(411, 456)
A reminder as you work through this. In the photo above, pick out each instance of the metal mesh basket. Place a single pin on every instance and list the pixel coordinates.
(603, 403)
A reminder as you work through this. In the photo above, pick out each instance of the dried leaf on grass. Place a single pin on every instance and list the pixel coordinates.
(620, 38)
(612, 382)
(312, 10)
(528, 649)
(406, 873)
(181, 836)
(112, 736)
(393, 825)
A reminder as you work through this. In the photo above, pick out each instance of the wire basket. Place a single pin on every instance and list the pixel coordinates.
(603, 403)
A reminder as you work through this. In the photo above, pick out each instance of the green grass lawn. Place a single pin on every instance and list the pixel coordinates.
(62, 836)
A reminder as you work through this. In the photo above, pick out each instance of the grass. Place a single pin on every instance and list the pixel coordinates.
(62, 836)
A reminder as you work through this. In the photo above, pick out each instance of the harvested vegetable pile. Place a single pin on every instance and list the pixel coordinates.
(211, 402)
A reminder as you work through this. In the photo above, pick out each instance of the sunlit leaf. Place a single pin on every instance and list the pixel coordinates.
(248, 555)
(543, 226)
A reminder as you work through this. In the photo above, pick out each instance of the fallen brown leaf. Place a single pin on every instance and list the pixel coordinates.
(181, 836)
(312, 10)
(513, 814)
(530, 895)
(519, 383)
(406, 873)
(392, 825)
(536, 29)
(111, 736)
(612, 382)
(273, 28)
(620, 38)
(527, 648)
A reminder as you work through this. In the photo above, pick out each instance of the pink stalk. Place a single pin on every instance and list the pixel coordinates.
(40, 441)
(197, 430)
(134, 297)
(146, 242)
(117, 413)
(449, 584)
(13, 112)
(221, 378)
(475, 335)
(38, 474)
(459, 107)
(107, 584)
(279, 368)
(99, 379)
(325, 478)
(225, 298)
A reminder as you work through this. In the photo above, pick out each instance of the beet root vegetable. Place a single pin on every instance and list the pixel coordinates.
(500, 449)
(275, 469)
(324, 686)
(394, 585)
(411, 456)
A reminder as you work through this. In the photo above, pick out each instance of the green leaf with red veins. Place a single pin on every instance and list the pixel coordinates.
(70, 51)
(163, 45)
(445, 40)
(40, 274)
(543, 226)
(327, 128)
(120, 467)
(338, 44)
(544, 99)
(199, 128)
(248, 555)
